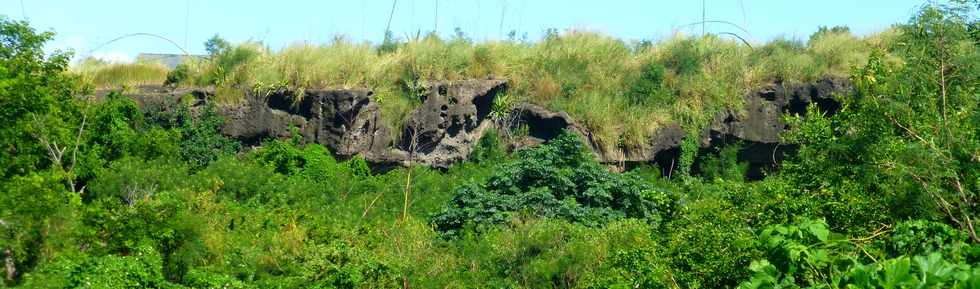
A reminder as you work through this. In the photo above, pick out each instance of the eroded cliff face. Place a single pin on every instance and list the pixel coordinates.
(346, 121)
(452, 118)
(454, 115)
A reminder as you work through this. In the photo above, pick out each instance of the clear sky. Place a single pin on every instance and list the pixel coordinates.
(86, 25)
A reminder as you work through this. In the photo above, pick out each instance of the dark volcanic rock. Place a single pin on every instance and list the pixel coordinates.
(452, 118)
(454, 115)
(543, 125)
(346, 121)
(158, 95)
(758, 125)
(761, 119)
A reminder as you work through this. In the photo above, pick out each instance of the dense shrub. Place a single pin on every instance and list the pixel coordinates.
(559, 180)
(808, 255)
(201, 138)
(650, 88)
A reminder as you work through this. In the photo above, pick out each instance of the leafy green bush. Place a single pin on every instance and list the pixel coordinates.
(723, 164)
(809, 255)
(179, 74)
(561, 180)
(201, 138)
(141, 269)
(550, 253)
(920, 237)
(708, 244)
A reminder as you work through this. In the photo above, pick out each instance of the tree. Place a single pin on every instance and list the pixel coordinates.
(38, 141)
(32, 87)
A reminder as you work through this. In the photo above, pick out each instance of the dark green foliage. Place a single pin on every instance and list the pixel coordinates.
(710, 245)
(178, 75)
(359, 167)
(922, 237)
(689, 152)
(809, 255)
(905, 145)
(723, 164)
(649, 88)
(28, 205)
(558, 180)
(201, 138)
(36, 98)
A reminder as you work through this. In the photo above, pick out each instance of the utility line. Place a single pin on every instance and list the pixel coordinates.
(719, 21)
(703, 16)
(745, 19)
(89, 53)
(390, 15)
(23, 13)
(503, 12)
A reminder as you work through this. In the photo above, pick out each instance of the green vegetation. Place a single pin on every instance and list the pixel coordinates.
(619, 90)
(883, 194)
(558, 180)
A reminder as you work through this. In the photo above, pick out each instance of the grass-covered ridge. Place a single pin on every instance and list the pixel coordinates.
(622, 91)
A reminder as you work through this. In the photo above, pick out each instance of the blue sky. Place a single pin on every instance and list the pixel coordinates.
(85, 25)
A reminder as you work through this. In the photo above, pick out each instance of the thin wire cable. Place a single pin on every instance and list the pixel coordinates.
(89, 53)
(736, 36)
(390, 15)
(23, 12)
(520, 15)
(503, 12)
(745, 19)
(704, 9)
(720, 21)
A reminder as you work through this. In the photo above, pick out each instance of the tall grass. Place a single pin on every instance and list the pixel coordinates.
(114, 75)
(591, 76)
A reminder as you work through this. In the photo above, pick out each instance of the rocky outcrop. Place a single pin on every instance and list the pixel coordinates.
(346, 121)
(452, 118)
(543, 124)
(441, 131)
(761, 119)
(454, 115)
(760, 122)
(756, 127)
